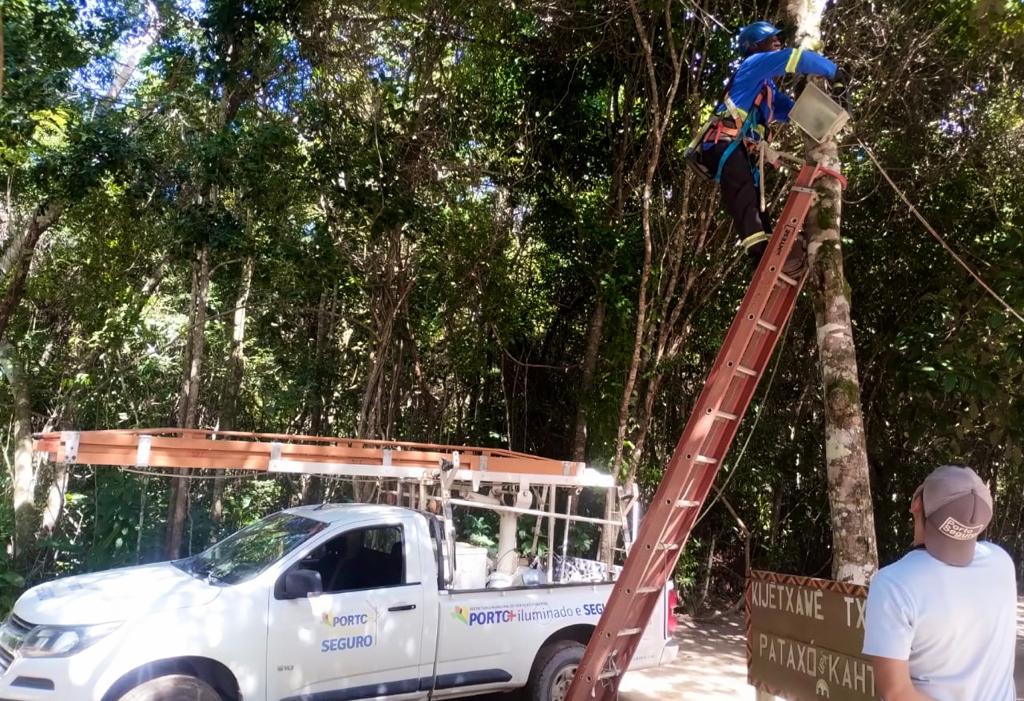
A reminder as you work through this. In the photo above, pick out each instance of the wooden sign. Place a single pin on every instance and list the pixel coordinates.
(804, 638)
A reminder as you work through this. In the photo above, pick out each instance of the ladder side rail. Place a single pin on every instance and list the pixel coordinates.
(648, 566)
(166, 451)
(209, 436)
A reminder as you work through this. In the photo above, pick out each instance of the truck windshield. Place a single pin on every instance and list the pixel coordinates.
(248, 552)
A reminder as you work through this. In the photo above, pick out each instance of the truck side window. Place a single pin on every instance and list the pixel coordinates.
(367, 558)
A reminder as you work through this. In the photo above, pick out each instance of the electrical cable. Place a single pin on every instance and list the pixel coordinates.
(936, 235)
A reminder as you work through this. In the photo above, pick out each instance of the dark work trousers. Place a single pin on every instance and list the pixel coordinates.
(740, 195)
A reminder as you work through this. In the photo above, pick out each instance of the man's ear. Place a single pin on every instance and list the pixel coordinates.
(917, 502)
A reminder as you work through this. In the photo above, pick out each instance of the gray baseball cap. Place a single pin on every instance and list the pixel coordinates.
(957, 508)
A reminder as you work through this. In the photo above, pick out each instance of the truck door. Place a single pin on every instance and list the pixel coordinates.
(360, 638)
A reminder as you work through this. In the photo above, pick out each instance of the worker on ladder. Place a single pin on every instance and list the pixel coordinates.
(728, 148)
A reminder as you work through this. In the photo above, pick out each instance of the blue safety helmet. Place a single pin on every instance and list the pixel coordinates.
(755, 33)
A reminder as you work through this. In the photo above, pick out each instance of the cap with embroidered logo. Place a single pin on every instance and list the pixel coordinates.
(957, 508)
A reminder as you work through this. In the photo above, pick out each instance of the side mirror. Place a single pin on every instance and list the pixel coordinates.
(299, 584)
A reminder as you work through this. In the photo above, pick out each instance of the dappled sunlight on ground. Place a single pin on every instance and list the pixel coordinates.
(711, 666)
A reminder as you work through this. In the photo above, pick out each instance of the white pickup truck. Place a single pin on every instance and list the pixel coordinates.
(316, 603)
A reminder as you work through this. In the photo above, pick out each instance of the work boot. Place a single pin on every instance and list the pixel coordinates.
(796, 261)
(755, 252)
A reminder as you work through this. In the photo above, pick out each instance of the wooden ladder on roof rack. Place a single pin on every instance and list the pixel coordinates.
(178, 448)
(742, 360)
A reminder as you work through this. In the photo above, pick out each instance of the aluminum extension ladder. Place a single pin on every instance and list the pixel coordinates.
(741, 362)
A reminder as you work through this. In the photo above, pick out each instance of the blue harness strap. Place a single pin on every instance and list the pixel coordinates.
(744, 130)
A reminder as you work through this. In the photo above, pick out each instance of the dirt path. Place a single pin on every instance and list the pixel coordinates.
(712, 665)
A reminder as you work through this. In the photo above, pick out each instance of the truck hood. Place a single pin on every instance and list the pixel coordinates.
(113, 595)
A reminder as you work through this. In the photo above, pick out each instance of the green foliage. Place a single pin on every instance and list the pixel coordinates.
(434, 196)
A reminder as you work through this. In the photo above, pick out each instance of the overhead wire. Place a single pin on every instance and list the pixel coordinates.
(995, 295)
(771, 379)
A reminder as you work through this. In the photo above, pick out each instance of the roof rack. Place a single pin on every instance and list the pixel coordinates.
(178, 448)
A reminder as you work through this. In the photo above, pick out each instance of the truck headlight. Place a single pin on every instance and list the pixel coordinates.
(62, 641)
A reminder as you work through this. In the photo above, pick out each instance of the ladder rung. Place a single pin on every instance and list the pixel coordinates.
(725, 415)
(707, 460)
(744, 370)
(687, 503)
(667, 546)
(792, 282)
(628, 631)
(609, 674)
(765, 325)
(647, 590)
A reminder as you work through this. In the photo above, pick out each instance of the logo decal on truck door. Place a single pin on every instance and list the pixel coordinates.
(350, 642)
(522, 613)
(346, 620)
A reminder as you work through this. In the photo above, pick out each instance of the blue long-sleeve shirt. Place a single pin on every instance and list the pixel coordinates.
(759, 69)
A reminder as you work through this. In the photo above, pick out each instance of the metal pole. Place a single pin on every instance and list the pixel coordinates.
(534, 512)
(551, 532)
(565, 534)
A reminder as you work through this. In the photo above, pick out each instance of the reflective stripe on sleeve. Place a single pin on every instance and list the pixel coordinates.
(753, 240)
(735, 112)
(794, 59)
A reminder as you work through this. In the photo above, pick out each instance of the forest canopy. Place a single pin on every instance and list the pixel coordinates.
(422, 220)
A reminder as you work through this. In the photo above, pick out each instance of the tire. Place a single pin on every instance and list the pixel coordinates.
(553, 670)
(173, 687)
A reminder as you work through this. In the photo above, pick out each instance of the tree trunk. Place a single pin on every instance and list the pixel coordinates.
(854, 551)
(236, 358)
(325, 316)
(395, 284)
(3, 55)
(130, 59)
(660, 116)
(18, 254)
(311, 487)
(56, 478)
(26, 514)
(21, 260)
(233, 388)
(188, 408)
(594, 332)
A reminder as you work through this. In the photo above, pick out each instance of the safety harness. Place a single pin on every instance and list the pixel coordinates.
(734, 125)
(722, 129)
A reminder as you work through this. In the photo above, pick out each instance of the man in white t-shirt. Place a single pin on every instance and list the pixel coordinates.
(941, 622)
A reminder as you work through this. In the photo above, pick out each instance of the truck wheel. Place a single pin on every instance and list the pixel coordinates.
(553, 671)
(173, 687)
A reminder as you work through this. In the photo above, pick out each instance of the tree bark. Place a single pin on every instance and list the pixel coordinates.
(854, 550)
(188, 408)
(233, 388)
(26, 515)
(660, 113)
(3, 54)
(594, 333)
(20, 251)
(236, 358)
(21, 261)
(56, 478)
(133, 54)
(396, 282)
